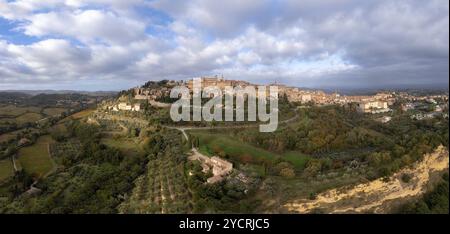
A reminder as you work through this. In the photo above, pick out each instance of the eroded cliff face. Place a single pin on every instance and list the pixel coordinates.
(379, 195)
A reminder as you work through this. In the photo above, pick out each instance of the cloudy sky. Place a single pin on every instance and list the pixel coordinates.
(117, 44)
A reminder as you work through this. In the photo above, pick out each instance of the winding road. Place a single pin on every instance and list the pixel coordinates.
(184, 129)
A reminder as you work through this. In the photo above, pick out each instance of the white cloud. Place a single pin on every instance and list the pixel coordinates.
(266, 40)
(46, 59)
(87, 26)
(222, 18)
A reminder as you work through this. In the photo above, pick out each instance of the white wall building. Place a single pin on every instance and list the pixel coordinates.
(123, 106)
(373, 107)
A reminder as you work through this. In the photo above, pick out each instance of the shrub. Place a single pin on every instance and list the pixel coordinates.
(287, 172)
(406, 178)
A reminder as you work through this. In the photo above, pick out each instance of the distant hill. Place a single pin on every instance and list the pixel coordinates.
(37, 92)
(52, 98)
(13, 96)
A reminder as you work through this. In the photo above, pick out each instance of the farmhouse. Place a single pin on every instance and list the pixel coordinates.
(421, 116)
(123, 106)
(23, 142)
(220, 167)
(384, 119)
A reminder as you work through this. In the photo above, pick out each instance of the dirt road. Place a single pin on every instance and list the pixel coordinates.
(186, 128)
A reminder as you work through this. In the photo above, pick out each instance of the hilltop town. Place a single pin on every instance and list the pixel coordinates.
(158, 96)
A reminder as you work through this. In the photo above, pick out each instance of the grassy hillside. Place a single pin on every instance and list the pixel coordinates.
(126, 146)
(6, 169)
(78, 115)
(6, 137)
(28, 118)
(53, 111)
(35, 159)
(225, 145)
(216, 143)
(14, 111)
(298, 159)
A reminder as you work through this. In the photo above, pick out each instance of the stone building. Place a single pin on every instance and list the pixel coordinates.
(220, 168)
(217, 81)
(123, 106)
(373, 107)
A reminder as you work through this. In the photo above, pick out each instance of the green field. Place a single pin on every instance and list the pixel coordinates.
(18, 115)
(7, 120)
(217, 144)
(298, 159)
(53, 111)
(58, 128)
(82, 114)
(14, 111)
(28, 118)
(12, 135)
(77, 115)
(6, 169)
(127, 146)
(35, 159)
(6, 137)
(212, 144)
